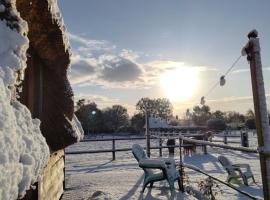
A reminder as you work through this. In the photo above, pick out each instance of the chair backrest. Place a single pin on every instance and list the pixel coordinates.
(138, 152)
(226, 163)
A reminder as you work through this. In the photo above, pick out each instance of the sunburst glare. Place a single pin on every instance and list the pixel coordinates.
(180, 84)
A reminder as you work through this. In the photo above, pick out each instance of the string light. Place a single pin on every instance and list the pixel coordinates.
(221, 81)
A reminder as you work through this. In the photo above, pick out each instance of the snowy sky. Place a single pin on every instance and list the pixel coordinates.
(124, 50)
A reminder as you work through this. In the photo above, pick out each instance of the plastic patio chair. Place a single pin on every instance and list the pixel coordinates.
(235, 170)
(167, 167)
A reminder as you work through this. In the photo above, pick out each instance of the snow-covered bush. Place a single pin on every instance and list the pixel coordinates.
(23, 149)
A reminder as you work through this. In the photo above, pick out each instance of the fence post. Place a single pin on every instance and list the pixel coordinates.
(147, 132)
(225, 139)
(160, 145)
(181, 170)
(244, 139)
(204, 146)
(252, 49)
(113, 149)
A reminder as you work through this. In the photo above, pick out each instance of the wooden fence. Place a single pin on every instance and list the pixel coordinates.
(202, 143)
(114, 150)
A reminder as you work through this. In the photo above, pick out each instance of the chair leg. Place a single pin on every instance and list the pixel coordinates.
(229, 179)
(144, 186)
(245, 180)
(253, 179)
(171, 185)
(151, 184)
(179, 184)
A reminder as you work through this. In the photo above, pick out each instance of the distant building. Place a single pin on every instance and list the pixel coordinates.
(158, 122)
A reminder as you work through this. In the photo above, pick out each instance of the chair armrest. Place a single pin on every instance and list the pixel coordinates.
(152, 163)
(241, 165)
(232, 167)
(169, 161)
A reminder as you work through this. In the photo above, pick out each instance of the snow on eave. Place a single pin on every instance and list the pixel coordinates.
(78, 130)
(56, 15)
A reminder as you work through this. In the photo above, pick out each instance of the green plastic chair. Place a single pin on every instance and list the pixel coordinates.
(235, 170)
(166, 166)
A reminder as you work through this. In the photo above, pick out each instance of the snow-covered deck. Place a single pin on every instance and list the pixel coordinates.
(122, 178)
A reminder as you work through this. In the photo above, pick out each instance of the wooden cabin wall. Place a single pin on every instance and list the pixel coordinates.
(47, 93)
(50, 185)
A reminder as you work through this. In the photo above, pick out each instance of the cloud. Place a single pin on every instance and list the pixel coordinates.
(98, 99)
(235, 98)
(153, 70)
(98, 62)
(129, 54)
(104, 101)
(91, 45)
(120, 70)
(82, 69)
(107, 71)
(243, 70)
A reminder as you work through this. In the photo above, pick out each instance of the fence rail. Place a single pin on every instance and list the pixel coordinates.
(244, 149)
(216, 179)
(113, 150)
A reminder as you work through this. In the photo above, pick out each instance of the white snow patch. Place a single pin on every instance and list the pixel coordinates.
(123, 179)
(12, 53)
(23, 149)
(78, 130)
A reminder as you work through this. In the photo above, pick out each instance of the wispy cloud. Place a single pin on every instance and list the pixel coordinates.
(99, 99)
(234, 98)
(90, 44)
(248, 70)
(104, 101)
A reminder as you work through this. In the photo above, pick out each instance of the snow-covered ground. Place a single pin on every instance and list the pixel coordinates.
(88, 175)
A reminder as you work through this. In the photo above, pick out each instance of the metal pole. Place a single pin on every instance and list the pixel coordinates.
(147, 133)
(253, 51)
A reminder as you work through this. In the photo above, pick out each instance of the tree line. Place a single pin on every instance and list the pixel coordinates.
(116, 118)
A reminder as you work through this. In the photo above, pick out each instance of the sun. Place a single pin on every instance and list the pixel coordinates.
(180, 84)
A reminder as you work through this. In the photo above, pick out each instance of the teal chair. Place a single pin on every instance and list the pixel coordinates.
(166, 166)
(236, 171)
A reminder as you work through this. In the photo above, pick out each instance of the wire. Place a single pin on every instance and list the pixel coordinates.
(236, 61)
(214, 86)
(227, 72)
